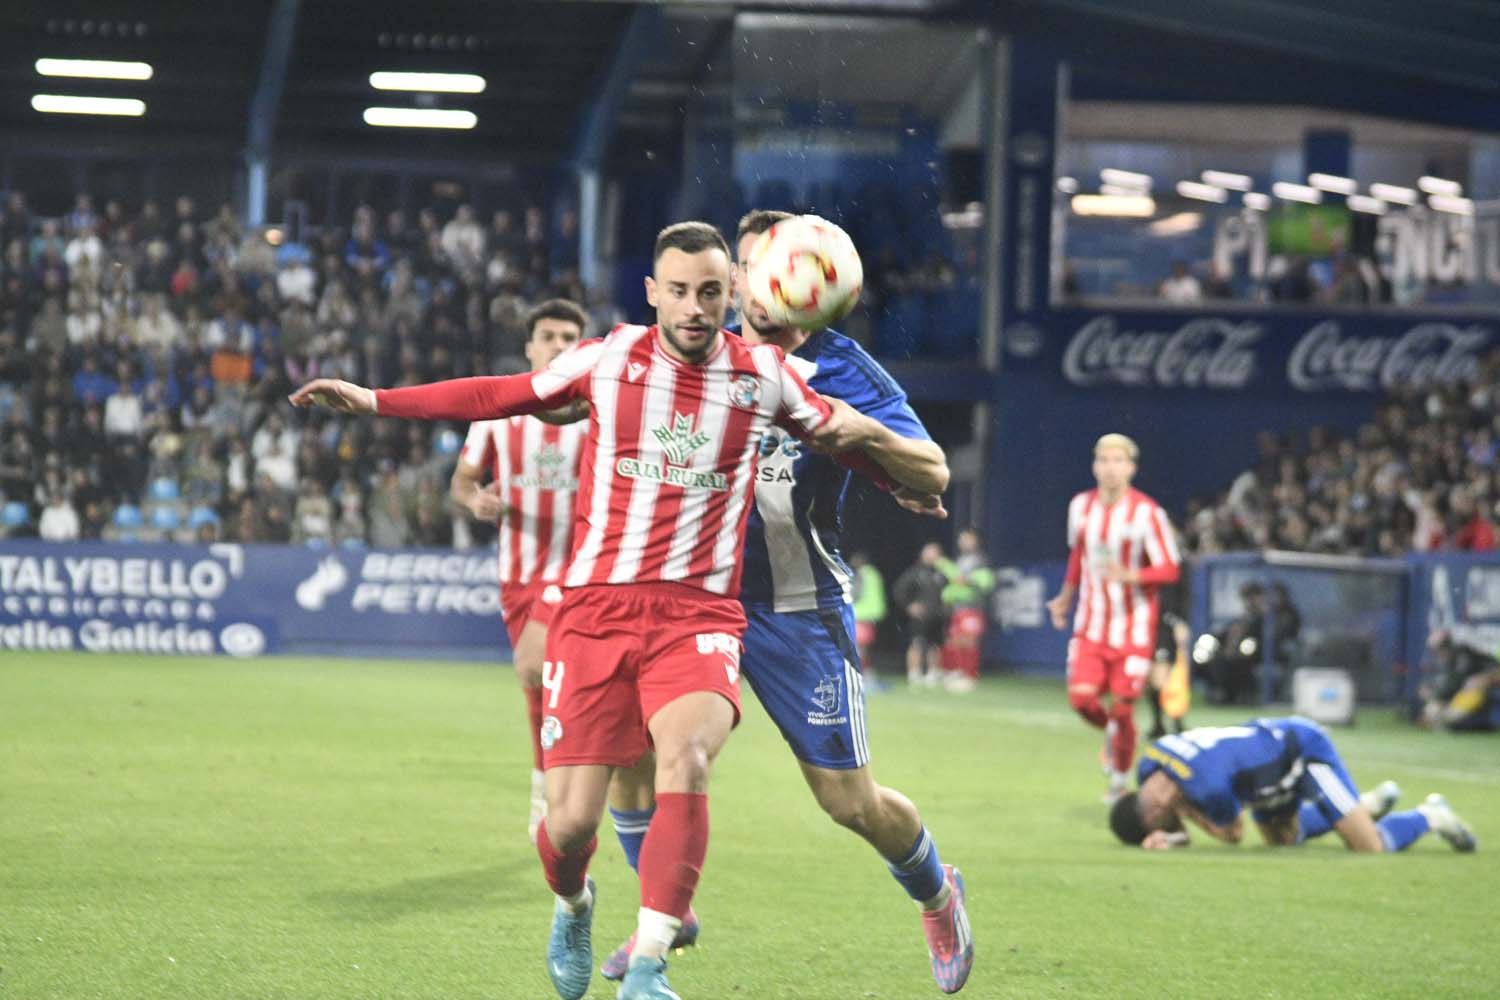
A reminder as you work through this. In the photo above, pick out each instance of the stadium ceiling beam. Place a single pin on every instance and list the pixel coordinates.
(265, 102)
(1332, 33)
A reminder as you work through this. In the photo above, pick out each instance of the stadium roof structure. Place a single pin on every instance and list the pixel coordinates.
(563, 78)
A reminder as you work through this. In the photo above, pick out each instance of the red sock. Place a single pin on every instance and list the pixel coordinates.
(672, 855)
(564, 872)
(534, 715)
(1122, 746)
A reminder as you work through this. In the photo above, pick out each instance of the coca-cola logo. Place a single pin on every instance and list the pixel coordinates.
(1430, 352)
(1207, 353)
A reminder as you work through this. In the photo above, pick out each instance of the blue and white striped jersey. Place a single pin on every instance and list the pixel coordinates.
(792, 560)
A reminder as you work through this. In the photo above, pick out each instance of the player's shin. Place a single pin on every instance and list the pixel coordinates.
(920, 872)
(1398, 831)
(566, 872)
(671, 861)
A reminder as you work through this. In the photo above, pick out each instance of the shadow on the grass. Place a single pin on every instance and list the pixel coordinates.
(450, 893)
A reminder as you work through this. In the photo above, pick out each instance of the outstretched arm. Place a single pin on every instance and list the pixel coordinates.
(484, 398)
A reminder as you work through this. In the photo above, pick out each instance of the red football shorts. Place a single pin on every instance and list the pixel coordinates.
(617, 654)
(1120, 672)
(966, 624)
(527, 602)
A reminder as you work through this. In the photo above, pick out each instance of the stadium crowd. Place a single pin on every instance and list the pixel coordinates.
(144, 357)
(1424, 475)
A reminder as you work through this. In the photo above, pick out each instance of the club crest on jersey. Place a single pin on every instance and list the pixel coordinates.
(635, 370)
(744, 391)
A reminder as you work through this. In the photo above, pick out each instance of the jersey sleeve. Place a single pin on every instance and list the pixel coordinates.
(478, 451)
(801, 410)
(1075, 546)
(1161, 550)
(491, 397)
(864, 384)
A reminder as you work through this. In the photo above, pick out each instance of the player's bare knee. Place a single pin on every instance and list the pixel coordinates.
(1083, 698)
(570, 825)
(683, 766)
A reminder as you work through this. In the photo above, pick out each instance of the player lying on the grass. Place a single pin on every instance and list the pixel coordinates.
(1287, 772)
(645, 647)
(800, 654)
(535, 470)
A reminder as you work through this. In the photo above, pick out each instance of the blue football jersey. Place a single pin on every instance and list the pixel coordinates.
(791, 559)
(1224, 769)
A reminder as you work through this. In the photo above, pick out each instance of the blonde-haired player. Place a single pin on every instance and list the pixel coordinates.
(1122, 550)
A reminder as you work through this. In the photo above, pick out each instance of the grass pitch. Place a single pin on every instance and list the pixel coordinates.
(327, 829)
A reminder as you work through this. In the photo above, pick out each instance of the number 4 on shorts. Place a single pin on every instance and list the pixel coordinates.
(552, 678)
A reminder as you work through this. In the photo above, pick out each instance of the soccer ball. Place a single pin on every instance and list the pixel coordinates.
(805, 272)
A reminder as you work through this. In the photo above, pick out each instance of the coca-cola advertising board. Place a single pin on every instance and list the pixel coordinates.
(1350, 352)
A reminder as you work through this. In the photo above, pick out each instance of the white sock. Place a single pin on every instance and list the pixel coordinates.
(654, 933)
(941, 899)
(578, 903)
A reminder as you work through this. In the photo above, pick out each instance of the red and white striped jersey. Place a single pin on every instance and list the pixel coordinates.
(668, 464)
(1133, 532)
(536, 467)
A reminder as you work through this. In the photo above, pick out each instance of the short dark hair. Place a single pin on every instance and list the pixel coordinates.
(757, 221)
(563, 309)
(1126, 821)
(689, 237)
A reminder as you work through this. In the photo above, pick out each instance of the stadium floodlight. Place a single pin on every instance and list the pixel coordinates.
(1394, 193)
(1177, 225)
(1439, 185)
(1120, 190)
(1258, 201)
(1202, 192)
(428, 83)
(1364, 203)
(420, 118)
(1333, 183)
(1125, 179)
(1067, 185)
(64, 104)
(1225, 179)
(1287, 191)
(1451, 204)
(95, 69)
(1136, 206)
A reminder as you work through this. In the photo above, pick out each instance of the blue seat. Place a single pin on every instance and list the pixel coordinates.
(201, 516)
(15, 514)
(447, 442)
(165, 518)
(128, 517)
(164, 490)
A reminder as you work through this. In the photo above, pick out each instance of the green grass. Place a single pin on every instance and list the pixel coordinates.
(323, 829)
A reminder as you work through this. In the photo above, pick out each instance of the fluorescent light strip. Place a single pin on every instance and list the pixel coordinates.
(1438, 185)
(95, 69)
(1395, 193)
(1225, 179)
(1288, 191)
(1202, 192)
(1177, 225)
(1451, 203)
(1119, 191)
(1125, 179)
(1256, 200)
(420, 118)
(1364, 203)
(428, 83)
(1333, 183)
(61, 104)
(1138, 206)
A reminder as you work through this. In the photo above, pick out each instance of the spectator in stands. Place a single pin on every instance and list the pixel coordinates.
(1473, 531)
(388, 525)
(59, 521)
(124, 416)
(49, 330)
(1180, 287)
(462, 240)
(312, 517)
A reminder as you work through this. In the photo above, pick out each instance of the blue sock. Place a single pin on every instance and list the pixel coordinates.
(1398, 831)
(630, 827)
(920, 872)
(1311, 822)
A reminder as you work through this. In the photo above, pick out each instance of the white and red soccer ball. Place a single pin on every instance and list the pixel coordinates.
(805, 272)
